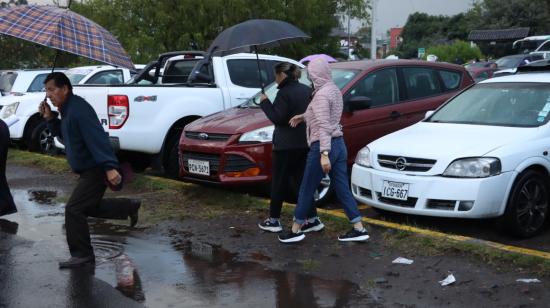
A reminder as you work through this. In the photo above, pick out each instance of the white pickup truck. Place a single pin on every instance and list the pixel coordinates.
(31, 130)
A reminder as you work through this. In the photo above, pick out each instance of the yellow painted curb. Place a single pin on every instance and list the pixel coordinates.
(441, 235)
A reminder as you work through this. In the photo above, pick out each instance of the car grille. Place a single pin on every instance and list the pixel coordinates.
(406, 163)
(436, 204)
(207, 136)
(233, 163)
(410, 202)
(213, 160)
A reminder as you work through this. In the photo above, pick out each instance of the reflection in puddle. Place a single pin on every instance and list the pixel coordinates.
(8, 226)
(226, 281)
(43, 196)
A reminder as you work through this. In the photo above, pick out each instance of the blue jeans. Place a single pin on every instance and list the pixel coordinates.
(338, 180)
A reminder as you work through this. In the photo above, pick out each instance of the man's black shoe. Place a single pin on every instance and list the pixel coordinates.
(75, 262)
(134, 214)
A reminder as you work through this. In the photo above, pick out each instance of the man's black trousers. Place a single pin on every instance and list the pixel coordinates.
(87, 200)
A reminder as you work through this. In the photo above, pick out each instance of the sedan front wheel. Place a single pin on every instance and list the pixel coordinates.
(527, 206)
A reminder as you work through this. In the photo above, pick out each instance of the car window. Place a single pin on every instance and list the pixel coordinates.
(451, 80)
(380, 86)
(6, 81)
(37, 84)
(244, 73)
(178, 71)
(503, 104)
(481, 76)
(544, 47)
(420, 82)
(106, 77)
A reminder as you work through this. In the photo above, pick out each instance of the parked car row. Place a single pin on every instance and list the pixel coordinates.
(234, 146)
(482, 153)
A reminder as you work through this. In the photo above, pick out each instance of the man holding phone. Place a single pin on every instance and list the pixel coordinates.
(91, 156)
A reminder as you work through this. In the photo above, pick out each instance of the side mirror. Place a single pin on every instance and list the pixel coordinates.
(429, 113)
(358, 103)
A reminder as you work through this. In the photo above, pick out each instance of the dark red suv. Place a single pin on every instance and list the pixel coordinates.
(234, 146)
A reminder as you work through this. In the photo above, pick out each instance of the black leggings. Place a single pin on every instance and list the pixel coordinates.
(287, 171)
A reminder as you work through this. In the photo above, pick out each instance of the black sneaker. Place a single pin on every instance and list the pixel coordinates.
(317, 225)
(291, 237)
(268, 225)
(354, 236)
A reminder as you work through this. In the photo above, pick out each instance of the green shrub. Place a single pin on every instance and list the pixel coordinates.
(458, 50)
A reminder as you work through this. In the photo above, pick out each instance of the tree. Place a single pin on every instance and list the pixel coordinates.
(498, 14)
(146, 28)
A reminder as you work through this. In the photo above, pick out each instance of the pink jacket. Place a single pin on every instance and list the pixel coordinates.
(323, 114)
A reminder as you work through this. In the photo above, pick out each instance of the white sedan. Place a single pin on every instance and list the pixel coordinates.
(484, 153)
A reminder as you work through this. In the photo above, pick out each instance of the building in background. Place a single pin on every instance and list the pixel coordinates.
(395, 37)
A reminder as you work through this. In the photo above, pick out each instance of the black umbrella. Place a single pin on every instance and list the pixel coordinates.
(255, 34)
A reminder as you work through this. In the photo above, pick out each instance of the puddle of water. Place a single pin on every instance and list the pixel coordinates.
(174, 273)
(195, 274)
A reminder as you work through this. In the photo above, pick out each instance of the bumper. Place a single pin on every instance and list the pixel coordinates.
(112, 140)
(17, 129)
(229, 163)
(435, 195)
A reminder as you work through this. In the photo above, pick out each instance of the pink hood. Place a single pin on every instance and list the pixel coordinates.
(325, 109)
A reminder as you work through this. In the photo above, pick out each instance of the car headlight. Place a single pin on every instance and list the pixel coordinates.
(476, 167)
(9, 110)
(363, 157)
(264, 134)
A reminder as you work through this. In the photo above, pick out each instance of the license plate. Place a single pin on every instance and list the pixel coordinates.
(395, 190)
(198, 166)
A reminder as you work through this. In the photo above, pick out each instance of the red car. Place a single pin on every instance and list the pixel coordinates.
(233, 147)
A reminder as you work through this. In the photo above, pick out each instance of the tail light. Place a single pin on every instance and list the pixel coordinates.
(118, 110)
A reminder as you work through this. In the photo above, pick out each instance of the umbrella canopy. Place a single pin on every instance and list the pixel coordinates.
(255, 34)
(65, 30)
(310, 58)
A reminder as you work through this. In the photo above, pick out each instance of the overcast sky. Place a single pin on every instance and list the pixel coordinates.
(394, 13)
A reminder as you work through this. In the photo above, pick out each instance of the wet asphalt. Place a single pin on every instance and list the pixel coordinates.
(134, 267)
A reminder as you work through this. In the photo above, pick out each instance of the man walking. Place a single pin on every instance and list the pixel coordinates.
(90, 155)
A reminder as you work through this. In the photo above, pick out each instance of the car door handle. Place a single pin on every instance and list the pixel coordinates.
(395, 114)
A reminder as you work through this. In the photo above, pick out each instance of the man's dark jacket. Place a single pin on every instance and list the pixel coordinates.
(86, 143)
(292, 99)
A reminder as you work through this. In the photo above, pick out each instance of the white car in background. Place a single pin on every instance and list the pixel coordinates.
(31, 130)
(19, 82)
(484, 153)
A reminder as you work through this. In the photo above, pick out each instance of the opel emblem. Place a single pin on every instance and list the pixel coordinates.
(203, 136)
(401, 163)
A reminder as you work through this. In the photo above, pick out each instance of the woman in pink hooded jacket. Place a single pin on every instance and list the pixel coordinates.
(327, 154)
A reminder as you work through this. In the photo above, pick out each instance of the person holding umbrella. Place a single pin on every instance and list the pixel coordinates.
(327, 154)
(91, 156)
(7, 206)
(289, 144)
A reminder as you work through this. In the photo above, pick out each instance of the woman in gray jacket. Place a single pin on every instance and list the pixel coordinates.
(327, 154)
